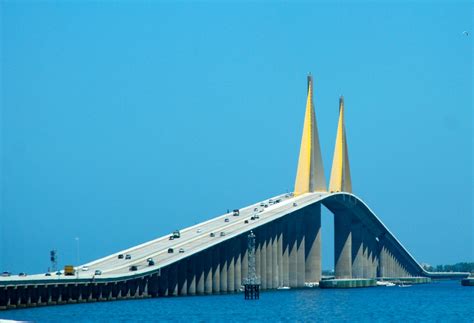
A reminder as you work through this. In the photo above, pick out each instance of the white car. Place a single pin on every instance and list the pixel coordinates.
(198, 231)
(85, 268)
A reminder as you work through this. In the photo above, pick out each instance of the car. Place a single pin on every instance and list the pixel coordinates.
(58, 273)
(133, 268)
(47, 274)
(260, 211)
(266, 205)
(151, 262)
(212, 234)
(198, 231)
(255, 209)
(128, 257)
(22, 274)
(98, 272)
(171, 238)
(181, 250)
(170, 250)
(222, 233)
(6, 274)
(149, 259)
(294, 204)
(120, 256)
(270, 201)
(226, 220)
(246, 221)
(262, 204)
(236, 212)
(85, 268)
(252, 218)
(256, 216)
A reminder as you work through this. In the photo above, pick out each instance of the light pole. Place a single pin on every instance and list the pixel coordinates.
(77, 256)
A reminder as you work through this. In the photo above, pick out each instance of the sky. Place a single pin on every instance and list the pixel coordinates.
(122, 121)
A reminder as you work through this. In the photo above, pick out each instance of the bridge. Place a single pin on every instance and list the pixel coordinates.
(212, 257)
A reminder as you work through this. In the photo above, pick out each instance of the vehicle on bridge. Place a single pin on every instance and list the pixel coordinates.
(175, 235)
(236, 212)
(69, 270)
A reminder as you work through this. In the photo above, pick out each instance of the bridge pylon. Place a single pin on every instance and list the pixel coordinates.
(340, 173)
(310, 173)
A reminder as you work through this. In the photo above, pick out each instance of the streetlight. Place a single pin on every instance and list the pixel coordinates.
(77, 256)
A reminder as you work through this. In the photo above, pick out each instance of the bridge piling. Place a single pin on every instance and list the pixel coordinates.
(300, 251)
(216, 270)
(293, 252)
(312, 227)
(231, 250)
(342, 245)
(207, 265)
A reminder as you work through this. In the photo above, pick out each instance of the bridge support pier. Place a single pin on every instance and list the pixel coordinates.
(342, 245)
(216, 270)
(357, 254)
(312, 232)
(293, 252)
(207, 264)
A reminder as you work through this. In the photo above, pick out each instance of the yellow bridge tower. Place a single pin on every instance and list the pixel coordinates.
(340, 172)
(310, 174)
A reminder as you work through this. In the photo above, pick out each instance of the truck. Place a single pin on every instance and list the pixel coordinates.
(69, 270)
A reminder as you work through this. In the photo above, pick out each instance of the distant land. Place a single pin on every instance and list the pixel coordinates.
(458, 267)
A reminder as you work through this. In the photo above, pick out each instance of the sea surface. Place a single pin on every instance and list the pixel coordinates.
(445, 301)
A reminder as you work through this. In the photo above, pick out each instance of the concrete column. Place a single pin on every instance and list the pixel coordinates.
(285, 260)
(279, 228)
(244, 257)
(231, 265)
(263, 256)
(357, 249)
(275, 273)
(173, 280)
(342, 245)
(207, 265)
(293, 255)
(269, 256)
(237, 263)
(216, 270)
(182, 278)
(191, 268)
(200, 276)
(312, 232)
(301, 265)
(223, 260)
(162, 285)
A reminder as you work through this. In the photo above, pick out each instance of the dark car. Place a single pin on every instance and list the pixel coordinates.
(246, 221)
(151, 262)
(133, 268)
(120, 256)
(170, 250)
(47, 274)
(128, 257)
(59, 273)
(22, 274)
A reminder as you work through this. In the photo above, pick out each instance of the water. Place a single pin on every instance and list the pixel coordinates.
(441, 301)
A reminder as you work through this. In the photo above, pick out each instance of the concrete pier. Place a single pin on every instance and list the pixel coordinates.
(343, 245)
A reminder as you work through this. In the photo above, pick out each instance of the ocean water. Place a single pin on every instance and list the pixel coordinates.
(445, 301)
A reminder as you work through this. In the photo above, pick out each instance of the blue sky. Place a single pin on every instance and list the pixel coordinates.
(122, 121)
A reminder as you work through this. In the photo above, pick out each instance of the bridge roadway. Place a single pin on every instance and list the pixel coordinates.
(191, 241)
(194, 241)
